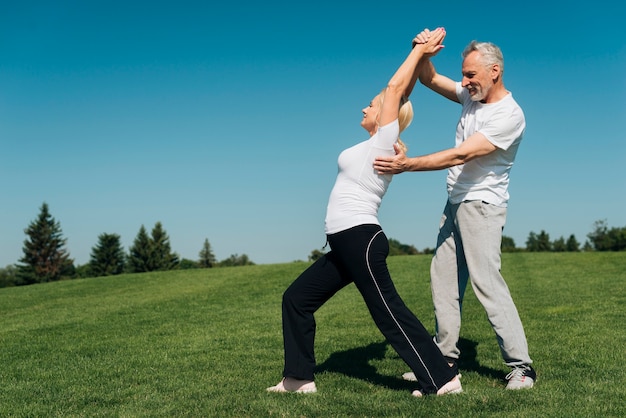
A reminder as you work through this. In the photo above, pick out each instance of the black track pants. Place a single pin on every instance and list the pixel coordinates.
(358, 255)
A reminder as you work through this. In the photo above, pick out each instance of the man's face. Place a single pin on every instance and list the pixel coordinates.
(477, 77)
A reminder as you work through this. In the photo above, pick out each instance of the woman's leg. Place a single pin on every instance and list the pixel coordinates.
(363, 251)
(301, 300)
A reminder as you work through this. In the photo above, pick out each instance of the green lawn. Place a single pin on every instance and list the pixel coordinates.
(208, 342)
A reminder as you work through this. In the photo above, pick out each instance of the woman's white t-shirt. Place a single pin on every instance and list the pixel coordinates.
(359, 189)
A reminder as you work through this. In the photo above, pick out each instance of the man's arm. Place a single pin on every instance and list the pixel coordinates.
(473, 147)
(428, 75)
(437, 82)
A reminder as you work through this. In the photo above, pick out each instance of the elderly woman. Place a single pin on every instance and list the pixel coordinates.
(359, 249)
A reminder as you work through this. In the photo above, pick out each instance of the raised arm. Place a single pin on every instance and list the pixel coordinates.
(430, 77)
(405, 77)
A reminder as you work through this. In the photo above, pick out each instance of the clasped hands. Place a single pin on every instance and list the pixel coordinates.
(430, 39)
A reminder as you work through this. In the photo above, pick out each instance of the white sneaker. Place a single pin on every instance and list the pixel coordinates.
(453, 386)
(521, 377)
(289, 384)
(410, 376)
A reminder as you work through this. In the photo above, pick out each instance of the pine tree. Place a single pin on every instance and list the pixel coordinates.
(162, 256)
(572, 244)
(207, 258)
(139, 258)
(45, 257)
(107, 257)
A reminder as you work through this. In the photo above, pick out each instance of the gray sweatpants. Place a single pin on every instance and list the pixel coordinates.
(468, 247)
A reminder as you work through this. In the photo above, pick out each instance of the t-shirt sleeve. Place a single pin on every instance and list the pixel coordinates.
(387, 135)
(504, 127)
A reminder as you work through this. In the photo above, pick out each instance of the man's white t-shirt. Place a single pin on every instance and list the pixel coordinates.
(486, 178)
(359, 189)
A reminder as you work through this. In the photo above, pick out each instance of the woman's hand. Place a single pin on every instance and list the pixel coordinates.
(430, 40)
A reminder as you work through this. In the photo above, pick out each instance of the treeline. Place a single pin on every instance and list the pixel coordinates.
(46, 259)
(602, 238)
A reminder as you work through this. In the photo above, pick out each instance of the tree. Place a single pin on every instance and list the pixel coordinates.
(559, 245)
(151, 253)
(531, 242)
(107, 257)
(572, 244)
(162, 256)
(605, 239)
(316, 255)
(139, 257)
(236, 260)
(397, 248)
(539, 242)
(186, 264)
(207, 258)
(8, 276)
(45, 257)
(507, 244)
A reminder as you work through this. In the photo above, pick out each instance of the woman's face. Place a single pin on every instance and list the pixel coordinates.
(370, 115)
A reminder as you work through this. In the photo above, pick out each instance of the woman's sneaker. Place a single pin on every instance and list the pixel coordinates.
(453, 386)
(289, 384)
(521, 377)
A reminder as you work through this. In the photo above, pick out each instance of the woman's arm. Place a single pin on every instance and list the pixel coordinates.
(403, 81)
(430, 77)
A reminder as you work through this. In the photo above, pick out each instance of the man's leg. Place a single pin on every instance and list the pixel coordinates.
(480, 225)
(448, 277)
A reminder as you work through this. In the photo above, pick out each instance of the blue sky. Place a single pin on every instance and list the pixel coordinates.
(224, 121)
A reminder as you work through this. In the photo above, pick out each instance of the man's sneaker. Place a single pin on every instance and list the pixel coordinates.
(289, 384)
(521, 377)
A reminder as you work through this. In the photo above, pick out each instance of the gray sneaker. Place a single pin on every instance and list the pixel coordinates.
(521, 377)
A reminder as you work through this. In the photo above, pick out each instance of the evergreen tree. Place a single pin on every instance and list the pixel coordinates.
(162, 256)
(207, 258)
(572, 244)
(559, 245)
(45, 257)
(543, 241)
(139, 258)
(151, 253)
(532, 242)
(107, 257)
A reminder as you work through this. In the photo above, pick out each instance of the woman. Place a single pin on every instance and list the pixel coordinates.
(359, 249)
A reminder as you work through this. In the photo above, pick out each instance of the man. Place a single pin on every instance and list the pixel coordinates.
(488, 135)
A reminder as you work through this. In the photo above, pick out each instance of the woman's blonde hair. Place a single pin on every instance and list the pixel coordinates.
(405, 116)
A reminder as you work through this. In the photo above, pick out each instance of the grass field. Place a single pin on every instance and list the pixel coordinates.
(206, 343)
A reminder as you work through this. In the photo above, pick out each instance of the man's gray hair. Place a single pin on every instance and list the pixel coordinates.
(490, 53)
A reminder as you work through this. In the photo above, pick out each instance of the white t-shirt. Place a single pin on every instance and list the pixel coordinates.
(359, 189)
(486, 178)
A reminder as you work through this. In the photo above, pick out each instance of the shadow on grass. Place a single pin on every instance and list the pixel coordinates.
(356, 363)
(469, 362)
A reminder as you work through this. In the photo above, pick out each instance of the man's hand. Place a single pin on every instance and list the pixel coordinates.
(431, 41)
(392, 165)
